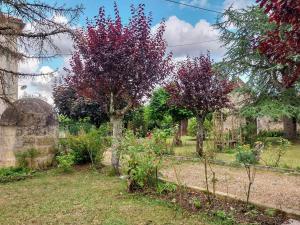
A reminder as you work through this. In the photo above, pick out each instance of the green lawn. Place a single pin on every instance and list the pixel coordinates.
(291, 159)
(85, 197)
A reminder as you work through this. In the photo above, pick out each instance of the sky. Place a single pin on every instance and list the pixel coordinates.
(189, 32)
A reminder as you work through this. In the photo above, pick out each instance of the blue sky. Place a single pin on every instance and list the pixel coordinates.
(185, 26)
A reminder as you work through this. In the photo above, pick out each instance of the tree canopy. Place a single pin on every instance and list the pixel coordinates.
(282, 44)
(119, 65)
(198, 88)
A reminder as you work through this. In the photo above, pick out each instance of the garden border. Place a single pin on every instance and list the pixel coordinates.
(291, 213)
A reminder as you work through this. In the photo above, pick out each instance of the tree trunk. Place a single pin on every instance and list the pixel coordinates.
(117, 124)
(251, 130)
(184, 126)
(200, 135)
(290, 128)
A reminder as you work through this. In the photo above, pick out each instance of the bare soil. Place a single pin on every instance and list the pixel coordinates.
(230, 211)
(277, 190)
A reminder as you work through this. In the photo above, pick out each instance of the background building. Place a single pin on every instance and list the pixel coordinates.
(9, 62)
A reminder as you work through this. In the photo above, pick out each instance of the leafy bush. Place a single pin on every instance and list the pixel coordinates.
(14, 174)
(143, 160)
(167, 187)
(87, 147)
(158, 142)
(276, 148)
(192, 127)
(197, 203)
(74, 127)
(245, 155)
(65, 161)
(26, 158)
(223, 216)
(264, 134)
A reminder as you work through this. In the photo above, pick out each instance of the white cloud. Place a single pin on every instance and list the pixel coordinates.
(41, 86)
(199, 3)
(185, 39)
(237, 4)
(28, 65)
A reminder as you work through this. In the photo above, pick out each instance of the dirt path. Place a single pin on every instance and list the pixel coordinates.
(278, 190)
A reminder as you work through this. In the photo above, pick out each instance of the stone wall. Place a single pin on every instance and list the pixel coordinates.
(7, 140)
(28, 124)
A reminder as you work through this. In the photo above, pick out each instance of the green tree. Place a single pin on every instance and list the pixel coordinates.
(267, 95)
(160, 109)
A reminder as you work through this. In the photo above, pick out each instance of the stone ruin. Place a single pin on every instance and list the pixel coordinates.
(28, 123)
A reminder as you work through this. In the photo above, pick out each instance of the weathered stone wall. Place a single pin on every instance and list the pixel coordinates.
(268, 124)
(7, 142)
(29, 124)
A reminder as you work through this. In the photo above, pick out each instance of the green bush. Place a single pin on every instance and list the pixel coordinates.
(87, 147)
(65, 161)
(167, 187)
(143, 161)
(14, 174)
(158, 142)
(224, 217)
(192, 127)
(197, 203)
(264, 134)
(276, 148)
(245, 155)
(74, 127)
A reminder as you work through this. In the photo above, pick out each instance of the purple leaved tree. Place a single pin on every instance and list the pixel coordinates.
(199, 89)
(119, 65)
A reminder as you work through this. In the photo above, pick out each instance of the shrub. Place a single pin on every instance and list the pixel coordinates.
(223, 216)
(14, 174)
(158, 142)
(167, 187)
(87, 147)
(143, 161)
(192, 127)
(276, 149)
(264, 134)
(197, 203)
(248, 157)
(74, 127)
(65, 161)
(245, 155)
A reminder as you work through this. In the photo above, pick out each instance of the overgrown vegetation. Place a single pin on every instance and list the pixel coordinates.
(87, 146)
(14, 174)
(25, 159)
(143, 158)
(65, 161)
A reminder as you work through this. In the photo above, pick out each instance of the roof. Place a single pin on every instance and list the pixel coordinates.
(28, 112)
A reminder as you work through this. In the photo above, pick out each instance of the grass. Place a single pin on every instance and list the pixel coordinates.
(85, 197)
(290, 160)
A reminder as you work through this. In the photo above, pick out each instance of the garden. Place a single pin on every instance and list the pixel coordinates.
(147, 139)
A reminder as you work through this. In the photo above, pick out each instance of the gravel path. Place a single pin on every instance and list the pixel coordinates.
(278, 190)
